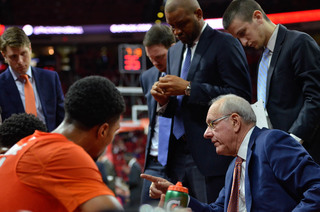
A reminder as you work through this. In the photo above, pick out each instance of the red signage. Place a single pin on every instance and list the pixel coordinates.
(132, 58)
(2, 28)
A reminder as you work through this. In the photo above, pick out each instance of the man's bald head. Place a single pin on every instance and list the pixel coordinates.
(188, 5)
(185, 18)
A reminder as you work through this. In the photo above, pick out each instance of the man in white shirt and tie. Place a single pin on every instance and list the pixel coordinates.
(277, 173)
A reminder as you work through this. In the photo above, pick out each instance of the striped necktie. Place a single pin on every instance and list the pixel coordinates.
(233, 205)
(262, 76)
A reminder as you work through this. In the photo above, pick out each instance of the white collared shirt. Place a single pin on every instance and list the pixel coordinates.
(155, 139)
(272, 42)
(193, 48)
(242, 152)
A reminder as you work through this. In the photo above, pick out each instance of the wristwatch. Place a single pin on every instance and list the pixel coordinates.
(188, 89)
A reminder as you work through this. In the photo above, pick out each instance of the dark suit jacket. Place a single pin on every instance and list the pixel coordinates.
(219, 66)
(280, 176)
(147, 79)
(293, 88)
(49, 91)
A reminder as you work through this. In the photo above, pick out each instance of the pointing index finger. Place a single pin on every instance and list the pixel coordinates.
(149, 177)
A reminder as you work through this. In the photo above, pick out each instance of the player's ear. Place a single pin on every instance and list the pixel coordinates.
(103, 130)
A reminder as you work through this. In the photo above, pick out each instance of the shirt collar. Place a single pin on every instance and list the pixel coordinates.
(195, 43)
(272, 41)
(242, 152)
(16, 75)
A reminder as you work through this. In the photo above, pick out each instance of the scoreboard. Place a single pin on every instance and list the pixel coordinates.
(132, 58)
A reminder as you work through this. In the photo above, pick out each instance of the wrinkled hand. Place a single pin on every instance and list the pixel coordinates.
(159, 94)
(172, 85)
(158, 186)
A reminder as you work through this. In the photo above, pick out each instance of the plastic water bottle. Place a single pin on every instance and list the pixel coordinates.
(176, 196)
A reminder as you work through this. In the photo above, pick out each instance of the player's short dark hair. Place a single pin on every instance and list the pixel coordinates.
(93, 101)
(18, 126)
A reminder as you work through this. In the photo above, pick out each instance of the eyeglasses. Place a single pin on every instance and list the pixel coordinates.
(214, 123)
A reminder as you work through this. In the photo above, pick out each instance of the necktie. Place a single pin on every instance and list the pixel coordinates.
(233, 205)
(262, 76)
(178, 127)
(164, 136)
(30, 101)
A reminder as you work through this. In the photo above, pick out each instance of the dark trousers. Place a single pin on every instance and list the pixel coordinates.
(154, 168)
(181, 167)
(214, 184)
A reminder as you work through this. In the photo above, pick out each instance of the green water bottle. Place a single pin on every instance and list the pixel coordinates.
(176, 196)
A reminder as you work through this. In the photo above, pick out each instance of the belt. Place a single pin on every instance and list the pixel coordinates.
(153, 158)
(183, 138)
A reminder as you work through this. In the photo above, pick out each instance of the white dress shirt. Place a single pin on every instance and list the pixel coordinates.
(242, 152)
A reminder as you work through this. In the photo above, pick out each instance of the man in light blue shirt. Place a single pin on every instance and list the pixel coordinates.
(16, 49)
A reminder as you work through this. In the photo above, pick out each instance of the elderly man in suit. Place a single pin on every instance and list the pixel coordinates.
(289, 83)
(47, 96)
(204, 64)
(273, 171)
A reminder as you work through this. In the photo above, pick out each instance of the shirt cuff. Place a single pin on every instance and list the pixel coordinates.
(161, 109)
(297, 138)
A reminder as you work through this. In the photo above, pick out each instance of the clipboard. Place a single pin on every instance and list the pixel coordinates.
(261, 115)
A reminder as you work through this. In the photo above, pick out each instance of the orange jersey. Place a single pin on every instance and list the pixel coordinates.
(48, 172)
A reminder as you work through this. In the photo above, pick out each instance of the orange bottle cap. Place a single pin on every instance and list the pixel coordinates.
(178, 187)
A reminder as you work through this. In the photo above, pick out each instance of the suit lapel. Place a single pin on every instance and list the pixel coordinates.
(12, 92)
(228, 182)
(176, 64)
(39, 84)
(277, 49)
(202, 46)
(248, 194)
(153, 102)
